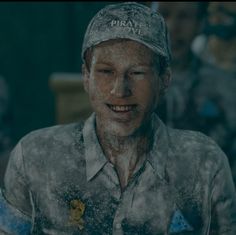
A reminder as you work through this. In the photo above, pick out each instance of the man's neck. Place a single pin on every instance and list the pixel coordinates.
(126, 153)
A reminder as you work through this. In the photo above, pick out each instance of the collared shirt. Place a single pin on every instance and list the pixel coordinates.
(59, 179)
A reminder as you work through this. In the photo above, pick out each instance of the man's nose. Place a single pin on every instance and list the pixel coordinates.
(121, 87)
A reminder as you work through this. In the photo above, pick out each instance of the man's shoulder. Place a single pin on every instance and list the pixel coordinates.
(194, 145)
(57, 132)
(188, 136)
(57, 139)
(44, 147)
(194, 156)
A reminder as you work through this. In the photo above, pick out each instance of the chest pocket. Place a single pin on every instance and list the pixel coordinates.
(151, 209)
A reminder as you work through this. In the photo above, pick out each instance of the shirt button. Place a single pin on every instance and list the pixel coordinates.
(118, 226)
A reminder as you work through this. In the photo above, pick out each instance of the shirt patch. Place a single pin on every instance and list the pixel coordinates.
(77, 209)
(179, 224)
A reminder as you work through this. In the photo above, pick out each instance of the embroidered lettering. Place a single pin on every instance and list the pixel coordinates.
(132, 27)
(113, 23)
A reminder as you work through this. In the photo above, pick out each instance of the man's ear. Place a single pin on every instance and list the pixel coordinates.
(85, 75)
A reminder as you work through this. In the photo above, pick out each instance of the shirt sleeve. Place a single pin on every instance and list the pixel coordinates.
(223, 201)
(15, 203)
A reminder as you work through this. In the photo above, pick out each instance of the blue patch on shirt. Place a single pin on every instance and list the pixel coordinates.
(13, 221)
(179, 224)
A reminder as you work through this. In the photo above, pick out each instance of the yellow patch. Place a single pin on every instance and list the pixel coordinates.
(76, 212)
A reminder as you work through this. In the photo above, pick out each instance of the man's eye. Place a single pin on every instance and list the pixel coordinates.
(105, 71)
(137, 73)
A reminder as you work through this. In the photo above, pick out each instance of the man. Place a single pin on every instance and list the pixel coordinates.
(122, 171)
(215, 98)
(220, 51)
(184, 21)
(220, 31)
(190, 102)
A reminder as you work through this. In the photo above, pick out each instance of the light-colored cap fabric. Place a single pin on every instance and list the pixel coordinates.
(129, 20)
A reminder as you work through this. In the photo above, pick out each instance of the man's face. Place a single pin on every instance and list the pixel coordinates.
(123, 86)
(183, 24)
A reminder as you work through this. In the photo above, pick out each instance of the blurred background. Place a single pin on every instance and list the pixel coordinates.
(37, 39)
(40, 68)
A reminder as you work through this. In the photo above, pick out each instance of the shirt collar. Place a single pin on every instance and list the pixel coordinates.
(94, 157)
(161, 149)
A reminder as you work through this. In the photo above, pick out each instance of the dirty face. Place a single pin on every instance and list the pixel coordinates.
(123, 86)
(183, 23)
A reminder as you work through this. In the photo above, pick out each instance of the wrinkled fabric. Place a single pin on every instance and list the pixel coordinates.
(60, 178)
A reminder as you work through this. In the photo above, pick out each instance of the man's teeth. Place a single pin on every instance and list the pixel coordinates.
(121, 108)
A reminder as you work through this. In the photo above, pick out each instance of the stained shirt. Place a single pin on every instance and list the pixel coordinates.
(59, 182)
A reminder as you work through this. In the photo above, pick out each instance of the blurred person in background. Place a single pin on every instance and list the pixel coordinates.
(184, 21)
(5, 127)
(202, 94)
(217, 44)
(215, 97)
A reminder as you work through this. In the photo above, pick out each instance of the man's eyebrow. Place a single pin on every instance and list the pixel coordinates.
(104, 63)
(132, 66)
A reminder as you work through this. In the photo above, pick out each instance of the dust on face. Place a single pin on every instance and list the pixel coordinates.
(123, 85)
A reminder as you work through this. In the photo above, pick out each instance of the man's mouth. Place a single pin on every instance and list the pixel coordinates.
(121, 108)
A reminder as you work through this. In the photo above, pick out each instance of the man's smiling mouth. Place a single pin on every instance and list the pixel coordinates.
(121, 108)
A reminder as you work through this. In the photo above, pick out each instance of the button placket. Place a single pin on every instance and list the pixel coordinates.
(119, 216)
(109, 171)
(122, 209)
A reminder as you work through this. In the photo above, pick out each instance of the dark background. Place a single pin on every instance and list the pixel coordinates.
(37, 39)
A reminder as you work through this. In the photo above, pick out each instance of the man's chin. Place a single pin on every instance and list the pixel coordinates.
(120, 129)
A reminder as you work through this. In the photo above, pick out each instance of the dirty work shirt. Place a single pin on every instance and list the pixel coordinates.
(59, 179)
